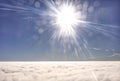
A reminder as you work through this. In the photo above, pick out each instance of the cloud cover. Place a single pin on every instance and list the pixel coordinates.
(60, 71)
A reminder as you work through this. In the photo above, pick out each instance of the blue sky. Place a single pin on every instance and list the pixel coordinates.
(25, 35)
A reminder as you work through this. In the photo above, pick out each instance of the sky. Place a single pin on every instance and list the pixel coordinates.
(26, 31)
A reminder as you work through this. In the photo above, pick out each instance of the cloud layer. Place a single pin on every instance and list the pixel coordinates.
(60, 71)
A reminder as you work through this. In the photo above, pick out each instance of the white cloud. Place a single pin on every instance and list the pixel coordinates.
(60, 71)
(96, 48)
(115, 54)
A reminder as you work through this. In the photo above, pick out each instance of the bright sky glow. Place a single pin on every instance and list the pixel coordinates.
(67, 20)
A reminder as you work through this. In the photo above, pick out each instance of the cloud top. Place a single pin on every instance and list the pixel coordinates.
(59, 71)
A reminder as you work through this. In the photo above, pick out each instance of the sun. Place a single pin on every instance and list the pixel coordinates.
(67, 20)
(66, 16)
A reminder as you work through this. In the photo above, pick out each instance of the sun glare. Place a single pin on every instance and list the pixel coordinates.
(66, 19)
